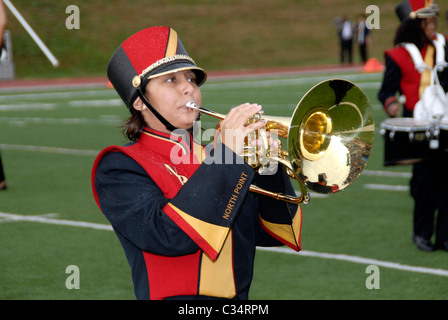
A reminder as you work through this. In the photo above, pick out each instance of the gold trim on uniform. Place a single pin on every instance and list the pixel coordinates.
(290, 233)
(217, 277)
(213, 234)
(425, 79)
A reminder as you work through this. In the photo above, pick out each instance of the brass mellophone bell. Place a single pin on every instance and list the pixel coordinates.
(329, 139)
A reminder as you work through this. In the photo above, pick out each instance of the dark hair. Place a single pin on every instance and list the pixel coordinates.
(133, 127)
(411, 31)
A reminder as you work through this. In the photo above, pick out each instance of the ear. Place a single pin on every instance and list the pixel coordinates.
(138, 104)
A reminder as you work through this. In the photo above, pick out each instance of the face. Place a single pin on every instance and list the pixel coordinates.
(429, 26)
(168, 94)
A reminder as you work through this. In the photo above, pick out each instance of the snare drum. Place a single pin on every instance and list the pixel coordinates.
(406, 140)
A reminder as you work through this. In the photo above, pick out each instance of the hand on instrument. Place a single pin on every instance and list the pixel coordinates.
(394, 109)
(234, 128)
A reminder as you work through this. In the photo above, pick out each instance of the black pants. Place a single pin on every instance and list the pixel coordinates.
(363, 52)
(429, 188)
(346, 50)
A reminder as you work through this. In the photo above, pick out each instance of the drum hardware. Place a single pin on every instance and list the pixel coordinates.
(434, 143)
(413, 135)
(408, 140)
(329, 139)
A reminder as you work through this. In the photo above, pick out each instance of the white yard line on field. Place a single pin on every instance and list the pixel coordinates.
(48, 149)
(44, 219)
(373, 80)
(8, 217)
(386, 187)
(74, 121)
(380, 173)
(13, 217)
(361, 260)
(57, 95)
(26, 106)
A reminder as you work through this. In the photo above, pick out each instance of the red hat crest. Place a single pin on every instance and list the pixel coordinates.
(411, 9)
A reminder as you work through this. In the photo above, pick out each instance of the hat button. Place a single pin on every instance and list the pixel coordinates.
(136, 81)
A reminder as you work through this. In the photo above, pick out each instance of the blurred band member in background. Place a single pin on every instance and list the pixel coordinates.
(429, 187)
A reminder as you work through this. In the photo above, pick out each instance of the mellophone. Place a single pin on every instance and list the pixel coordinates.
(329, 138)
(409, 140)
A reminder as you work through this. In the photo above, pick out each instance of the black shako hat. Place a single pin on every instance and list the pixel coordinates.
(147, 54)
(411, 9)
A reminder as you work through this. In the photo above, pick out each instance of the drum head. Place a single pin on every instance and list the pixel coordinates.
(406, 124)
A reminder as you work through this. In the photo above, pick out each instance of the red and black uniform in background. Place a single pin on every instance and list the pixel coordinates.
(189, 230)
(429, 183)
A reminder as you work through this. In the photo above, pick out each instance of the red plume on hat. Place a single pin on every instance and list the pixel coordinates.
(411, 9)
(147, 54)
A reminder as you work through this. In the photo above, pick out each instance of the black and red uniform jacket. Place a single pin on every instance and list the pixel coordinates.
(401, 77)
(187, 222)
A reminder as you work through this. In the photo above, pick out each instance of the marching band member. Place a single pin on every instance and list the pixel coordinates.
(189, 228)
(429, 186)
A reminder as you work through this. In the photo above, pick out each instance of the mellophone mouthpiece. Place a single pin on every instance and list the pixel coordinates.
(192, 105)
